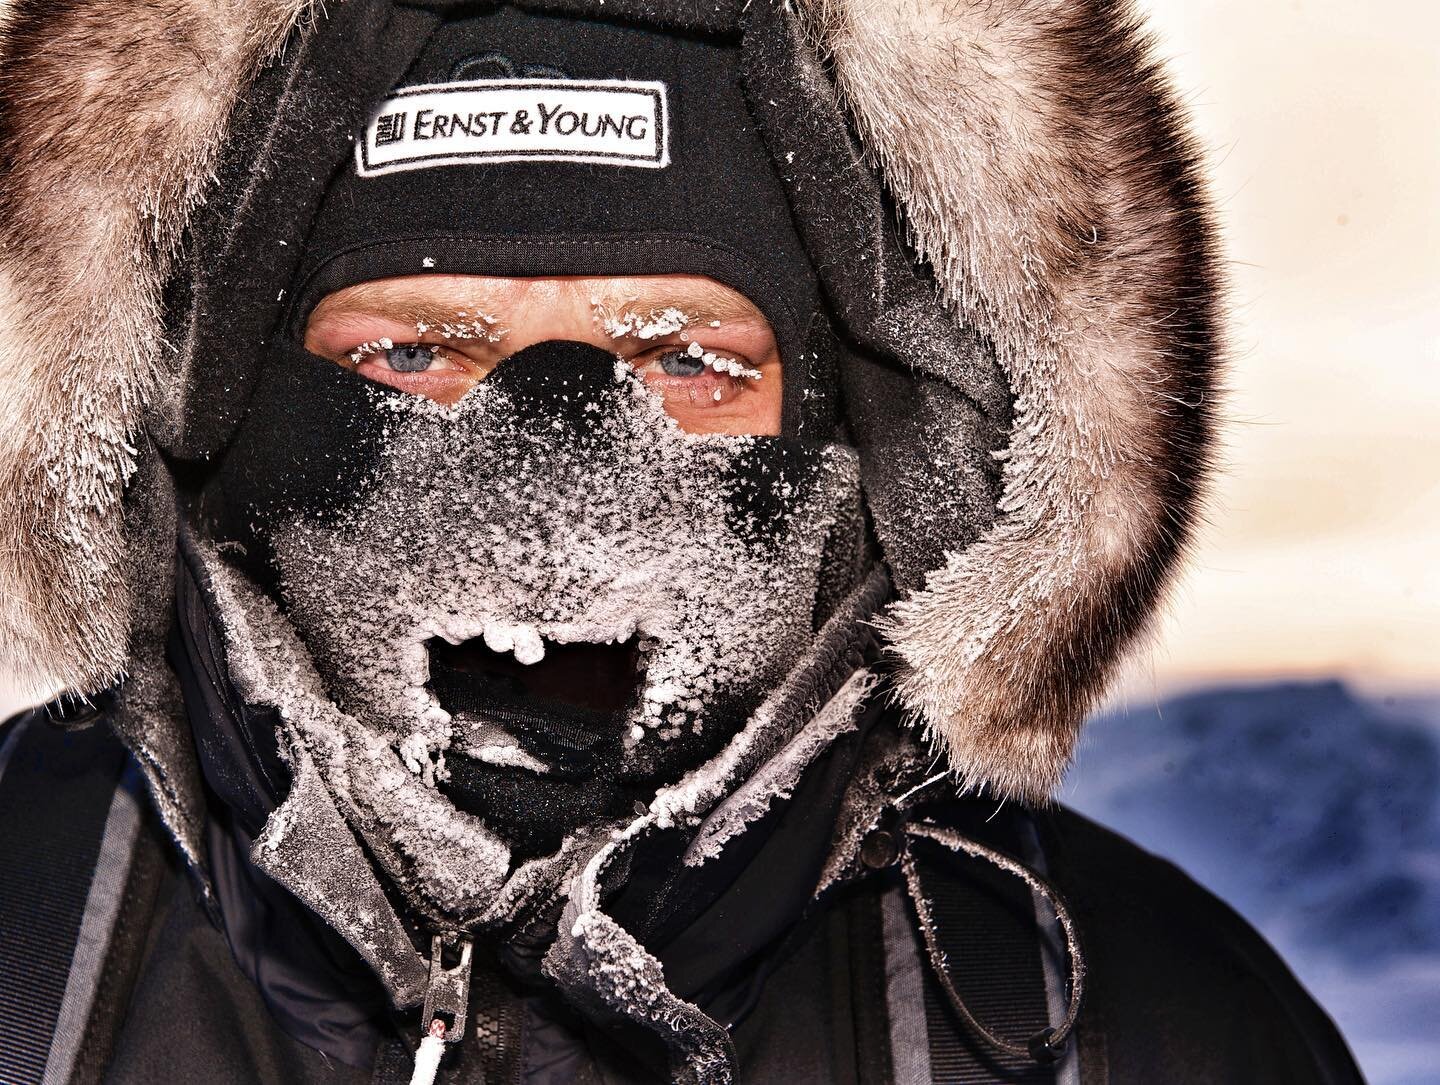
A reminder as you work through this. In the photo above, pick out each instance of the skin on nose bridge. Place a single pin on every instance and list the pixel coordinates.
(553, 309)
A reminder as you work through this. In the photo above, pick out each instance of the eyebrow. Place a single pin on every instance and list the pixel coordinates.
(405, 304)
(701, 302)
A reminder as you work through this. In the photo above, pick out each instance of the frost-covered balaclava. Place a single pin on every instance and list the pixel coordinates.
(495, 627)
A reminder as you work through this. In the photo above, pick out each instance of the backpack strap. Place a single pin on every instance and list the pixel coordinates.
(984, 968)
(70, 814)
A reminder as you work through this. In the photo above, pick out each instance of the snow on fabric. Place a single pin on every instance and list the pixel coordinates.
(475, 525)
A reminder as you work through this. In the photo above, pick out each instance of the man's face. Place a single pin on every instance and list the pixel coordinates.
(545, 593)
(703, 348)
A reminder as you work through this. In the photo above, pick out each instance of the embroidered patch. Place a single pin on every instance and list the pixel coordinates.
(611, 121)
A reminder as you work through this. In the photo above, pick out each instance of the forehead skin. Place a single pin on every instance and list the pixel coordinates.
(525, 311)
(422, 297)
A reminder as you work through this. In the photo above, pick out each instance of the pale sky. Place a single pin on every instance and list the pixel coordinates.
(1321, 121)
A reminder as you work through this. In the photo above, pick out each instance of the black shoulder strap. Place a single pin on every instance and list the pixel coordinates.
(986, 926)
(68, 824)
(983, 931)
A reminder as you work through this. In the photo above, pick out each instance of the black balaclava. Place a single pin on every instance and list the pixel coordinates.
(492, 628)
(715, 208)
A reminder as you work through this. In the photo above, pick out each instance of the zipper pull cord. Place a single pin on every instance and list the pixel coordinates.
(447, 996)
(427, 1058)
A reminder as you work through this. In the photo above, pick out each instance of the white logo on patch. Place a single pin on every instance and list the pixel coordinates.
(615, 122)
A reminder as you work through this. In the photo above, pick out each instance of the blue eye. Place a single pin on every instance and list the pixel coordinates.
(679, 363)
(410, 358)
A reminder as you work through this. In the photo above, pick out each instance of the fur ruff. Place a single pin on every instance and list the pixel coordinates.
(111, 118)
(1041, 169)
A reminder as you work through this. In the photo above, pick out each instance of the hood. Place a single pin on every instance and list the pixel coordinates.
(1001, 200)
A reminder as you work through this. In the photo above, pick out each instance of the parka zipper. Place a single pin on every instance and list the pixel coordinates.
(447, 999)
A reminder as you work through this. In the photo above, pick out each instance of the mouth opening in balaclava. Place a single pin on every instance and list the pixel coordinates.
(523, 613)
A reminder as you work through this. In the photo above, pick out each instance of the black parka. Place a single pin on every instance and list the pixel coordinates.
(1010, 228)
(249, 986)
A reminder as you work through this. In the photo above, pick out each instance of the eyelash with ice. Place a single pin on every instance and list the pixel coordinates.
(688, 361)
(692, 360)
(401, 357)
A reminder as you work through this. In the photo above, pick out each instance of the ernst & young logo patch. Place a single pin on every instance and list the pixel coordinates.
(611, 121)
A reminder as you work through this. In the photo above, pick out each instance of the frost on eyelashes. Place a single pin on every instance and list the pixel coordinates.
(465, 326)
(721, 364)
(660, 323)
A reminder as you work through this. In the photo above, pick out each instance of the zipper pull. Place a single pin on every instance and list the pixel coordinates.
(429, 1054)
(447, 994)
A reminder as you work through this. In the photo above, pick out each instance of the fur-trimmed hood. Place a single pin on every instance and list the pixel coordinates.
(1054, 221)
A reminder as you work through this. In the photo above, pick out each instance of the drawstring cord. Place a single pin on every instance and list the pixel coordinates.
(1047, 1045)
(431, 1051)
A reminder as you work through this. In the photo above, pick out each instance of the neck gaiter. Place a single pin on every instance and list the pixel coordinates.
(508, 621)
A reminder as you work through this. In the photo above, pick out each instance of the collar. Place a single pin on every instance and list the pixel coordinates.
(696, 889)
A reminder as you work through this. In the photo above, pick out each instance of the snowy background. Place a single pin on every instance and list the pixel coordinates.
(1280, 737)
